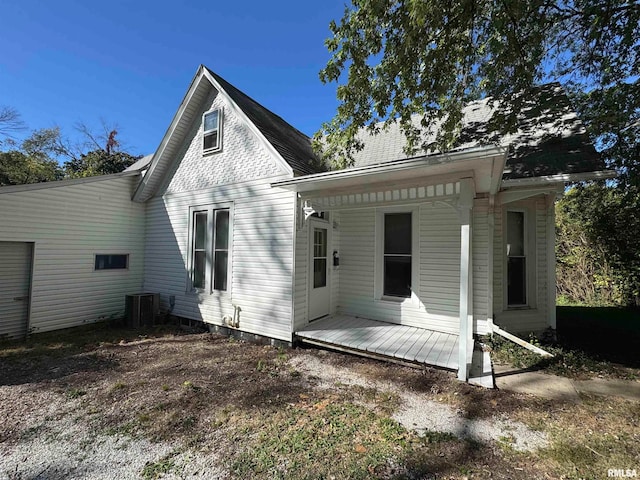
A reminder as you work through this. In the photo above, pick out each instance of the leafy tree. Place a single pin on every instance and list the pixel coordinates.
(396, 58)
(35, 161)
(598, 245)
(99, 162)
(17, 168)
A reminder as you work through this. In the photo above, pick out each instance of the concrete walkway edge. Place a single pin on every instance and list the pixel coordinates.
(554, 387)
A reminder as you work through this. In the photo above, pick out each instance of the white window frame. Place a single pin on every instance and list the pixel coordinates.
(210, 249)
(529, 254)
(218, 145)
(415, 255)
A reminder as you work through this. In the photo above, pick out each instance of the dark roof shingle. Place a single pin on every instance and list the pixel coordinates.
(550, 138)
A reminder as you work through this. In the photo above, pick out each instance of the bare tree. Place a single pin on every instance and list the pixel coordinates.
(10, 123)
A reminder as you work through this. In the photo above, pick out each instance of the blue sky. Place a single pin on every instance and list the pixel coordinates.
(130, 63)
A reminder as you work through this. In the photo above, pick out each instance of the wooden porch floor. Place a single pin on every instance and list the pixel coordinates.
(405, 343)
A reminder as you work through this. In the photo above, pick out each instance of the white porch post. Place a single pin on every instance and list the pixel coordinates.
(551, 260)
(465, 206)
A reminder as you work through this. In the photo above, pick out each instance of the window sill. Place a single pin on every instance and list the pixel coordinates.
(204, 293)
(391, 299)
(518, 307)
(211, 151)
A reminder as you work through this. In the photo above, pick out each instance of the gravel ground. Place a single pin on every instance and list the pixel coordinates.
(421, 414)
(55, 414)
(57, 444)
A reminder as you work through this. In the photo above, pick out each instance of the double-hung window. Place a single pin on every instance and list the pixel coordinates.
(516, 259)
(212, 131)
(397, 254)
(209, 258)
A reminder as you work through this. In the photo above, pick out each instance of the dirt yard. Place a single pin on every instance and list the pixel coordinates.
(102, 403)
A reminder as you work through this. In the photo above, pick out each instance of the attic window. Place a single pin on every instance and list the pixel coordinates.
(212, 131)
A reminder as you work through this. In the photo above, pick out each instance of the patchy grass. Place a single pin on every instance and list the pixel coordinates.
(591, 341)
(589, 438)
(569, 363)
(164, 466)
(263, 419)
(71, 341)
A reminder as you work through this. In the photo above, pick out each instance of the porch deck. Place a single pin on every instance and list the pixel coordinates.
(401, 342)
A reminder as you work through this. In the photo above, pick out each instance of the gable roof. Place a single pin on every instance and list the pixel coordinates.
(550, 139)
(290, 147)
(293, 145)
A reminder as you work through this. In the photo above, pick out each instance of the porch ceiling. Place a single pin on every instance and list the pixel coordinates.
(372, 337)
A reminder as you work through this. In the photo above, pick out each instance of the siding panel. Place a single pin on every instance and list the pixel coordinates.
(261, 276)
(69, 225)
(439, 254)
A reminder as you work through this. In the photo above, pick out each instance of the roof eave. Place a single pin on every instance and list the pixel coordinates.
(456, 160)
(560, 178)
(65, 183)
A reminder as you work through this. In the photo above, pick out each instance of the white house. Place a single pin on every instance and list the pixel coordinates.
(237, 224)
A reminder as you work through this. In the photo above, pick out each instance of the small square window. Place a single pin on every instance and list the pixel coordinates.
(111, 262)
(212, 131)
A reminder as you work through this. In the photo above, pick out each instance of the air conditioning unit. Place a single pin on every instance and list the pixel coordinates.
(141, 309)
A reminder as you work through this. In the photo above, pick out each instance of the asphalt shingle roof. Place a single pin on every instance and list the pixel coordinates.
(550, 138)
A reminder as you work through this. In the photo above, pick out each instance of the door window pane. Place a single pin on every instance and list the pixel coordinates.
(319, 272)
(320, 243)
(319, 257)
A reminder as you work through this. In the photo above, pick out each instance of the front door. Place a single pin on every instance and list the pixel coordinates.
(319, 293)
(15, 283)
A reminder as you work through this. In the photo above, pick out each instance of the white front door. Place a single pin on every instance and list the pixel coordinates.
(319, 292)
(15, 284)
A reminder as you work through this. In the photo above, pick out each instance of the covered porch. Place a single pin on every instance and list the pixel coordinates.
(383, 339)
(387, 252)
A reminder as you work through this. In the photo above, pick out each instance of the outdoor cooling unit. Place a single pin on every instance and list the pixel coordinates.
(141, 309)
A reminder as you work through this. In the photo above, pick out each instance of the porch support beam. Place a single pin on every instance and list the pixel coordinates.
(551, 260)
(465, 206)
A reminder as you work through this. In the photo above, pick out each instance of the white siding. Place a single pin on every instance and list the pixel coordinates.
(535, 318)
(301, 276)
(242, 157)
(69, 225)
(261, 276)
(335, 271)
(438, 306)
(480, 245)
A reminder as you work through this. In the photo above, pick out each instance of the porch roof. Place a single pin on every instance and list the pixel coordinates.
(484, 164)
